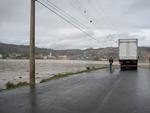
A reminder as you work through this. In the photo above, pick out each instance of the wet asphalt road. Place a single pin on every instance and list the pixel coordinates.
(95, 92)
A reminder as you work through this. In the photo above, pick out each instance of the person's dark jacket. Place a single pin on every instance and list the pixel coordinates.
(111, 60)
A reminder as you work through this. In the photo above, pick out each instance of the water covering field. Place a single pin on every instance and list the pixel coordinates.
(18, 70)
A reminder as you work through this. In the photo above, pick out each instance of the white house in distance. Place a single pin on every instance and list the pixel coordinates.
(1, 56)
(50, 56)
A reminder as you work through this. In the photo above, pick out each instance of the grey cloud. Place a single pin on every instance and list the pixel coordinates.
(128, 17)
(138, 6)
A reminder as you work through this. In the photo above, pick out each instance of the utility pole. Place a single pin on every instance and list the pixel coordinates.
(32, 45)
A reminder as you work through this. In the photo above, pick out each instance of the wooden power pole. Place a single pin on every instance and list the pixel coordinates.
(32, 44)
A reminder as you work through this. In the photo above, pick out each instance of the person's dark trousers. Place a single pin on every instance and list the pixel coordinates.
(110, 67)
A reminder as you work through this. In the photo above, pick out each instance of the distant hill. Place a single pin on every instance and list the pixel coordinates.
(22, 49)
(74, 54)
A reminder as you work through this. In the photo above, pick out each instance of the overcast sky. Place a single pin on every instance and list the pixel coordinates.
(105, 20)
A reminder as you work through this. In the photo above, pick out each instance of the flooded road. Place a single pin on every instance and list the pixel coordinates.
(94, 92)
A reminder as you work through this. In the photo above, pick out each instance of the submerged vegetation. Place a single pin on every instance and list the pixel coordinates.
(66, 74)
(11, 85)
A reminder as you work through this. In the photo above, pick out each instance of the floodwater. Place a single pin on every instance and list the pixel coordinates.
(18, 70)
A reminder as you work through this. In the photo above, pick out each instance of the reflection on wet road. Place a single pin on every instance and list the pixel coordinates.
(95, 92)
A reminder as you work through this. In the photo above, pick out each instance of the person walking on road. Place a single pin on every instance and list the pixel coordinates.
(110, 63)
(149, 63)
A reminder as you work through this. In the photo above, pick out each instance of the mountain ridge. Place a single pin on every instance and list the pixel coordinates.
(73, 54)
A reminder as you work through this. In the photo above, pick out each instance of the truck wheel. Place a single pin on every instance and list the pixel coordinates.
(135, 68)
(122, 68)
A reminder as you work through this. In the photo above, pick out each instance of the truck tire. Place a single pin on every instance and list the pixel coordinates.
(122, 68)
(135, 68)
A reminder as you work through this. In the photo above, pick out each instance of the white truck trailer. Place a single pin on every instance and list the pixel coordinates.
(128, 55)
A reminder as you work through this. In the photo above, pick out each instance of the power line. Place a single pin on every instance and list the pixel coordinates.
(62, 11)
(92, 23)
(67, 15)
(67, 20)
(106, 16)
(91, 16)
(85, 12)
(97, 11)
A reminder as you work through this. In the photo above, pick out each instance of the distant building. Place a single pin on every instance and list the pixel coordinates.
(45, 57)
(50, 56)
(63, 57)
(1, 56)
(40, 56)
(15, 56)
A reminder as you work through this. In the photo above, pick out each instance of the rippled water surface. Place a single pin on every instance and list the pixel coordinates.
(18, 70)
